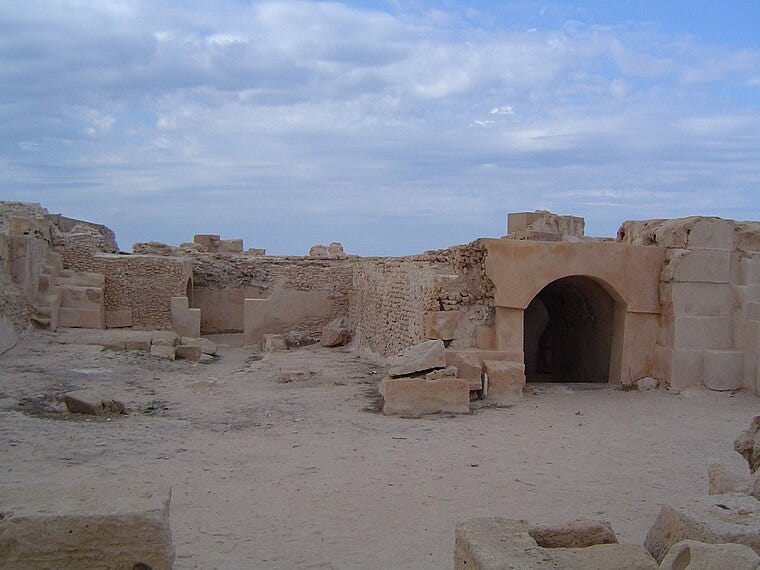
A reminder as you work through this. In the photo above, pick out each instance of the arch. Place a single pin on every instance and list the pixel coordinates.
(573, 331)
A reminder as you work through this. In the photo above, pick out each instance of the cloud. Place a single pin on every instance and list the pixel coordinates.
(393, 131)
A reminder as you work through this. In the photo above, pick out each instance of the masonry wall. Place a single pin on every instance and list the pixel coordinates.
(392, 298)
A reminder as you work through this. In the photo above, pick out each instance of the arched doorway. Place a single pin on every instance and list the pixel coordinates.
(569, 332)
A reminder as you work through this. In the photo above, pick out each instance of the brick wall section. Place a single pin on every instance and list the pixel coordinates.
(391, 296)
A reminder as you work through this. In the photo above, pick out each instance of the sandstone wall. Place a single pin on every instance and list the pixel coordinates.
(393, 298)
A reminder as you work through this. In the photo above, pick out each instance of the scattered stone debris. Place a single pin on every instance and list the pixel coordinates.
(93, 403)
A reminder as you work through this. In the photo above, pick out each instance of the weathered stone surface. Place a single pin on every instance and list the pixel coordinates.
(723, 481)
(188, 352)
(442, 324)
(206, 359)
(274, 342)
(469, 366)
(92, 402)
(579, 533)
(335, 334)
(300, 338)
(418, 358)
(85, 526)
(504, 544)
(712, 518)
(164, 338)
(207, 346)
(420, 396)
(161, 351)
(647, 383)
(695, 555)
(442, 373)
(748, 444)
(506, 380)
(185, 320)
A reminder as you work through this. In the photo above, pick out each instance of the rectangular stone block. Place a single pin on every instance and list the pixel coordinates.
(705, 266)
(468, 365)
(185, 321)
(81, 318)
(686, 369)
(442, 325)
(420, 396)
(273, 342)
(700, 299)
(76, 297)
(753, 311)
(723, 369)
(485, 338)
(137, 345)
(231, 246)
(509, 329)
(506, 380)
(85, 526)
(747, 269)
(118, 319)
(159, 351)
(188, 352)
(703, 333)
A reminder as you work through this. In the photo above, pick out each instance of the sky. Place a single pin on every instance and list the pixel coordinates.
(392, 127)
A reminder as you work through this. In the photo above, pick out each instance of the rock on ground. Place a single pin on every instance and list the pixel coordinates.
(92, 402)
(421, 357)
(694, 555)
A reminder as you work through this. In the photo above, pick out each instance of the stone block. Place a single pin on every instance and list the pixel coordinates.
(442, 324)
(442, 373)
(160, 351)
(420, 396)
(421, 357)
(188, 352)
(723, 481)
(723, 369)
(185, 321)
(78, 297)
(230, 246)
(273, 342)
(485, 338)
(92, 402)
(163, 338)
(704, 266)
(748, 270)
(81, 318)
(753, 311)
(747, 444)
(501, 544)
(208, 241)
(469, 366)
(579, 533)
(713, 233)
(335, 334)
(713, 519)
(506, 380)
(686, 369)
(703, 333)
(207, 346)
(119, 319)
(85, 526)
(699, 299)
(137, 345)
(694, 555)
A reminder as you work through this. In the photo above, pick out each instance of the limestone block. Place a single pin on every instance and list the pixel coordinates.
(694, 555)
(163, 338)
(753, 311)
(273, 342)
(713, 233)
(92, 402)
(185, 321)
(442, 324)
(441, 373)
(81, 318)
(723, 369)
(124, 525)
(209, 241)
(747, 444)
(501, 544)
(335, 334)
(137, 345)
(683, 368)
(748, 270)
(188, 352)
(712, 518)
(206, 346)
(160, 351)
(723, 481)
(699, 299)
(78, 297)
(420, 357)
(703, 333)
(469, 366)
(118, 319)
(703, 265)
(485, 338)
(419, 396)
(254, 320)
(506, 380)
(230, 246)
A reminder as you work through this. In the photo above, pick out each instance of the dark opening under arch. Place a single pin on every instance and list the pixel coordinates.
(568, 332)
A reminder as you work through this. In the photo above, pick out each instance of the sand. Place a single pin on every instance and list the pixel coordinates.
(284, 462)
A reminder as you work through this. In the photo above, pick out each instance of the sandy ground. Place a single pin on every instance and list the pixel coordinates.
(285, 463)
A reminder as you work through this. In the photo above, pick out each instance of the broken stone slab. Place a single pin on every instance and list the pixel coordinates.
(273, 342)
(335, 334)
(427, 355)
(695, 555)
(92, 402)
(579, 533)
(723, 481)
(442, 373)
(124, 525)
(161, 351)
(748, 444)
(501, 544)
(207, 346)
(420, 396)
(712, 518)
(506, 380)
(188, 352)
(442, 324)
(164, 338)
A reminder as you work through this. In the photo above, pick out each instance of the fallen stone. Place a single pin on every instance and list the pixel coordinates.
(206, 359)
(335, 334)
(748, 444)
(647, 383)
(694, 555)
(442, 373)
(300, 338)
(161, 351)
(502, 544)
(723, 481)
(713, 518)
(273, 342)
(442, 324)
(420, 396)
(469, 366)
(421, 357)
(506, 380)
(206, 346)
(188, 352)
(579, 533)
(85, 526)
(92, 402)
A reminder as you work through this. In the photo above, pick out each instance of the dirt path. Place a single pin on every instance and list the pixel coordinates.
(277, 463)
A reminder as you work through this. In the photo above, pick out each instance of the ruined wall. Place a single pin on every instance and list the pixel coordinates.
(305, 293)
(393, 298)
(710, 294)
